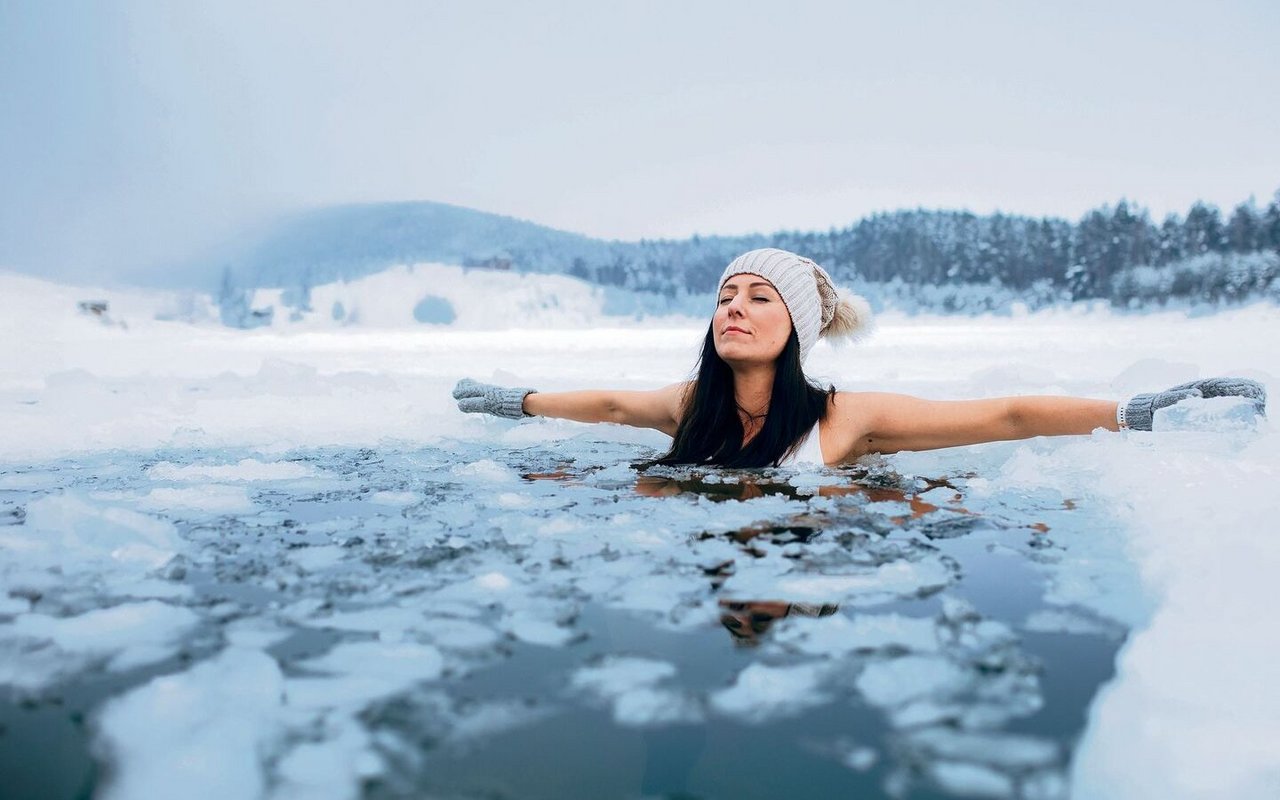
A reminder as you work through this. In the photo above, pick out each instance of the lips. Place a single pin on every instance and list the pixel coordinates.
(733, 329)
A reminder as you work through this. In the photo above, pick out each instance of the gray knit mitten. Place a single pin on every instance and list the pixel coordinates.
(485, 398)
(1139, 412)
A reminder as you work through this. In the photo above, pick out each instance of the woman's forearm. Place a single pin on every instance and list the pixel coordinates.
(584, 406)
(1040, 415)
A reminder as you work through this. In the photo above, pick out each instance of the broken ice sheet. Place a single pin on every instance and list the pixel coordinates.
(840, 635)
(761, 693)
(38, 650)
(353, 674)
(633, 689)
(203, 733)
(247, 469)
(491, 566)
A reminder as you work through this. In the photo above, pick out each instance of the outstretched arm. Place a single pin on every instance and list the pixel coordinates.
(660, 409)
(874, 422)
(878, 422)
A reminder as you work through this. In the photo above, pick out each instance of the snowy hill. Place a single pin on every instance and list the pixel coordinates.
(423, 296)
(437, 294)
(349, 241)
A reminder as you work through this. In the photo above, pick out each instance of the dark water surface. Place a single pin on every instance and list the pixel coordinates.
(661, 567)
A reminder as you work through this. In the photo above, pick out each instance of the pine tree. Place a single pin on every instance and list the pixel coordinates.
(1170, 238)
(1202, 232)
(1269, 228)
(1243, 228)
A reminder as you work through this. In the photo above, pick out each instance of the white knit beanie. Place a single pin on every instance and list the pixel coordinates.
(817, 308)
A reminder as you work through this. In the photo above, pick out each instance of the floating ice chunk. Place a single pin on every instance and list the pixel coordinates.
(1060, 621)
(609, 476)
(888, 508)
(253, 634)
(389, 622)
(314, 559)
(79, 537)
(893, 579)
(897, 680)
(203, 733)
(483, 589)
(652, 593)
(124, 636)
(653, 706)
(838, 635)
(212, 498)
(247, 469)
(396, 498)
(1005, 751)
(921, 712)
(532, 627)
(620, 673)
(559, 525)
(762, 693)
(333, 767)
(485, 470)
(459, 634)
(486, 718)
(970, 780)
(493, 582)
(1047, 785)
(1207, 414)
(860, 758)
(394, 661)
(630, 685)
(513, 500)
(362, 672)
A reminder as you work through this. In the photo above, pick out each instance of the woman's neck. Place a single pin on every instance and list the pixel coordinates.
(752, 390)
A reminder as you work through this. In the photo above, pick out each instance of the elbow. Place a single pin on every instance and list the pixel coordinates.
(612, 411)
(1016, 421)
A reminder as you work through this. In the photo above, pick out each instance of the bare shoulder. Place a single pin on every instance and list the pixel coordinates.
(677, 397)
(660, 409)
(851, 418)
(853, 409)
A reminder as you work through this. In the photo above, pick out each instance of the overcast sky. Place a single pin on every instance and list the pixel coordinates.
(133, 131)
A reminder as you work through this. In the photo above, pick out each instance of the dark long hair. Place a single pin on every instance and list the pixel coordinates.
(710, 432)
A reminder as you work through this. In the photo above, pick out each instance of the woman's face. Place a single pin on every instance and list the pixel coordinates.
(751, 323)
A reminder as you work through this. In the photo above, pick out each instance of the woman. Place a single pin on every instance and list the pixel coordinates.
(752, 406)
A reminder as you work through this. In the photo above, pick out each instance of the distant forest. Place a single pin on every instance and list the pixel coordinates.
(950, 261)
(1113, 253)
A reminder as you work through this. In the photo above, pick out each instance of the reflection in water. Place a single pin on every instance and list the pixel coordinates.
(749, 488)
(746, 621)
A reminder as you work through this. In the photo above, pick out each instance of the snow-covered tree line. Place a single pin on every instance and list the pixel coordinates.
(1114, 253)
(926, 260)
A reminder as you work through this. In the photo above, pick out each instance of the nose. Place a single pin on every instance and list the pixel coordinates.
(737, 304)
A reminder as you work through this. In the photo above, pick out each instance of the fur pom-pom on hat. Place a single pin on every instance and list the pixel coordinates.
(852, 320)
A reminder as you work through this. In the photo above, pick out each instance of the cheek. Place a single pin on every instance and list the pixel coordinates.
(782, 326)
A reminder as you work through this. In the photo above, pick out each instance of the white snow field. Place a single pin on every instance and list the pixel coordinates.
(291, 550)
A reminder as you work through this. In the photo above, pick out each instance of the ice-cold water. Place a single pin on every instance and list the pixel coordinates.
(266, 565)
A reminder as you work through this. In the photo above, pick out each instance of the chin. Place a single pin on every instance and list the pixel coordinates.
(732, 356)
